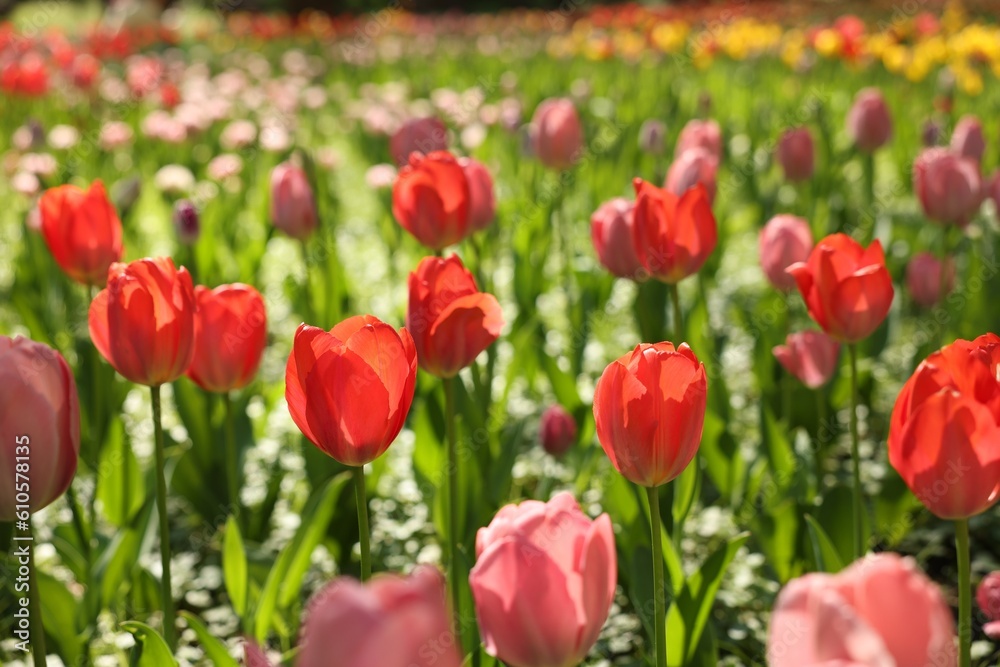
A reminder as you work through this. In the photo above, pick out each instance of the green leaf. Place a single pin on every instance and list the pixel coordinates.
(214, 649)
(154, 651)
(234, 566)
(117, 464)
(59, 616)
(826, 554)
(687, 488)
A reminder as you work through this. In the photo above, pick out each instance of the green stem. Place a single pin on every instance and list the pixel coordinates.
(964, 594)
(166, 591)
(678, 322)
(364, 534)
(232, 460)
(95, 418)
(307, 287)
(35, 606)
(659, 593)
(818, 444)
(453, 523)
(855, 455)
(868, 160)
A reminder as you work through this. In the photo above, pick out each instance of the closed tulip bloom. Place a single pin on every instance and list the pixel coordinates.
(187, 224)
(651, 135)
(944, 439)
(649, 408)
(143, 321)
(785, 240)
(392, 621)
(796, 154)
(349, 390)
(482, 204)
(82, 230)
(39, 420)
(418, 135)
(230, 330)
(988, 599)
(431, 199)
(700, 133)
(694, 166)
(878, 612)
(543, 582)
(967, 140)
(948, 186)
(451, 321)
(847, 288)
(556, 133)
(868, 122)
(611, 232)
(558, 430)
(293, 205)
(923, 279)
(672, 236)
(811, 356)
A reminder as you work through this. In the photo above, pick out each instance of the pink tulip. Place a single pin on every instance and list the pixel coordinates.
(879, 612)
(39, 425)
(293, 206)
(784, 240)
(392, 621)
(418, 135)
(967, 139)
(923, 278)
(948, 186)
(811, 356)
(543, 582)
(703, 133)
(796, 154)
(611, 232)
(558, 430)
(696, 165)
(988, 599)
(482, 204)
(556, 133)
(868, 122)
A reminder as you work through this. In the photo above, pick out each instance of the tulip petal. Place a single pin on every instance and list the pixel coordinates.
(466, 327)
(97, 320)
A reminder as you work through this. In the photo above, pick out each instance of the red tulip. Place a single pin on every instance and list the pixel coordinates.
(230, 330)
(392, 621)
(672, 236)
(949, 186)
(703, 133)
(450, 319)
(418, 135)
(482, 205)
(611, 232)
(811, 356)
(988, 599)
(868, 122)
(431, 199)
(293, 206)
(694, 166)
(649, 408)
(543, 582)
(349, 390)
(967, 140)
(556, 133)
(923, 278)
(944, 437)
(82, 231)
(39, 426)
(785, 240)
(796, 154)
(847, 288)
(558, 430)
(143, 321)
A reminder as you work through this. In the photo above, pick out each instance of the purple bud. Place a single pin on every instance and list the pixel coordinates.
(186, 222)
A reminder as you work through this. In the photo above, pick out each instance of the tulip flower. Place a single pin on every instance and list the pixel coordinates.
(651, 135)
(611, 232)
(393, 621)
(879, 611)
(785, 240)
(796, 154)
(418, 135)
(482, 205)
(82, 231)
(230, 330)
(558, 430)
(39, 425)
(450, 319)
(293, 205)
(868, 122)
(543, 582)
(988, 599)
(696, 165)
(811, 356)
(925, 281)
(672, 236)
(431, 199)
(556, 133)
(702, 133)
(187, 225)
(967, 140)
(948, 186)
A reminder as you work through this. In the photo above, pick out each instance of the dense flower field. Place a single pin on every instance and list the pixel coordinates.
(626, 336)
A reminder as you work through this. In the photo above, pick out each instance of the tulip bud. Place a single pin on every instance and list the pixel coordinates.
(988, 599)
(695, 165)
(930, 135)
(784, 240)
(82, 230)
(923, 279)
(418, 135)
(186, 223)
(651, 136)
(967, 139)
(868, 122)
(230, 331)
(796, 154)
(948, 186)
(431, 199)
(125, 193)
(558, 430)
(811, 356)
(704, 133)
(556, 133)
(611, 228)
(672, 236)
(293, 206)
(482, 205)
